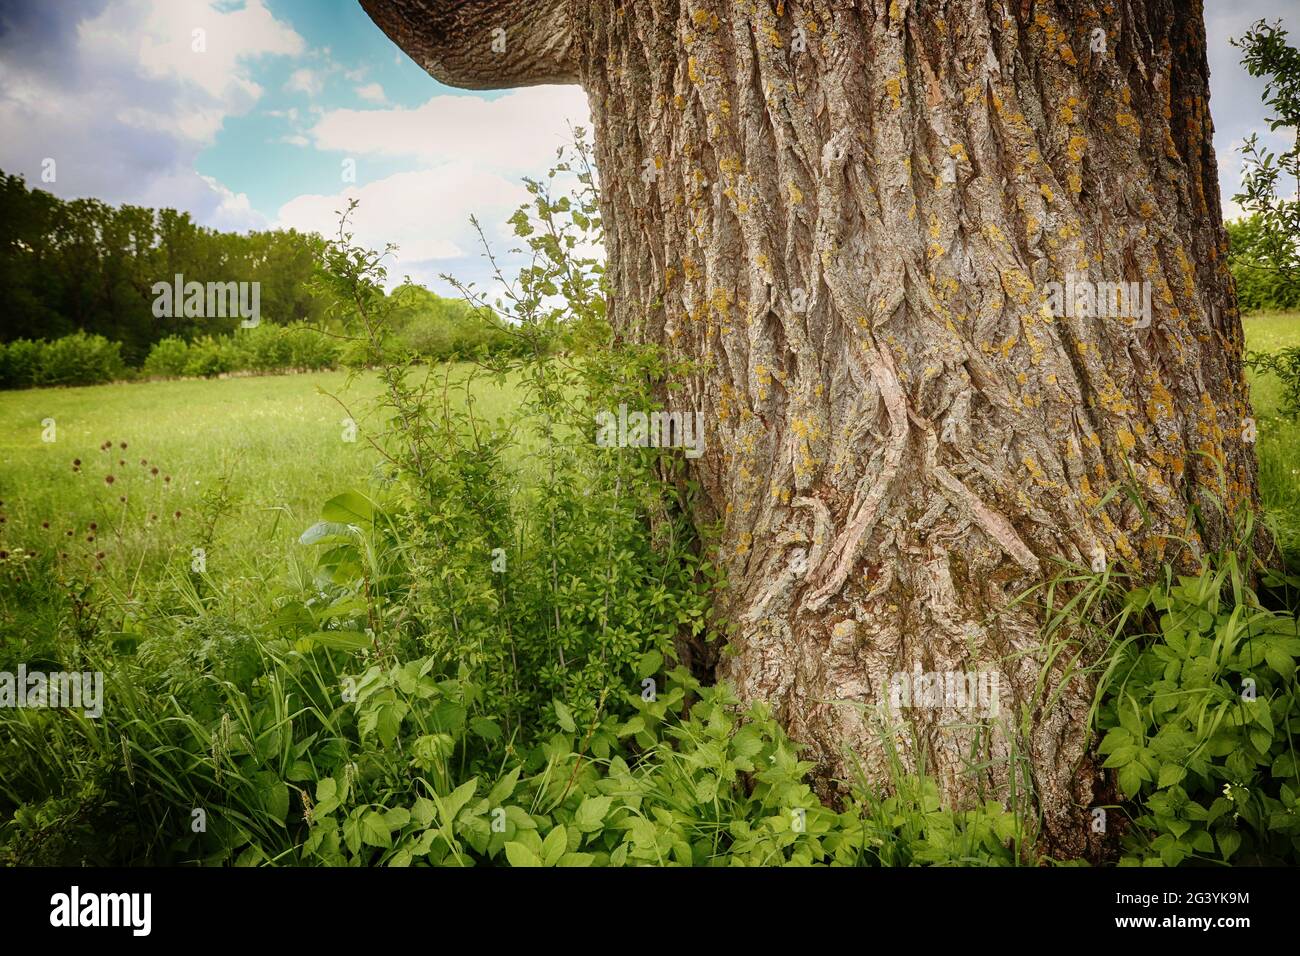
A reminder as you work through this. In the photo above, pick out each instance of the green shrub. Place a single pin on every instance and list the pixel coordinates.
(263, 348)
(20, 363)
(81, 359)
(1200, 714)
(1260, 287)
(168, 358)
(209, 357)
(308, 349)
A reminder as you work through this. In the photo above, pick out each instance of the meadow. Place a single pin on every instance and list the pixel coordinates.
(131, 478)
(1279, 435)
(383, 695)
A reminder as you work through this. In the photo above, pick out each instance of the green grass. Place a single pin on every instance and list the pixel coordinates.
(1279, 436)
(279, 441)
(274, 444)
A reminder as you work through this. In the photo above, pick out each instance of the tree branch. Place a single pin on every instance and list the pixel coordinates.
(482, 44)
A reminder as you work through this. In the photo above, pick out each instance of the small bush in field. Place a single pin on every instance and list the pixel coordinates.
(20, 363)
(77, 359)
(167, 358)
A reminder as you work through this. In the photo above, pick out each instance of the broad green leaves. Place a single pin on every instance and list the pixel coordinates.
(1193, 720)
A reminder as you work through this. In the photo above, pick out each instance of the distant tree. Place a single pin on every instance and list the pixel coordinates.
(1259, 288)
(83, 265)
(1267, 176)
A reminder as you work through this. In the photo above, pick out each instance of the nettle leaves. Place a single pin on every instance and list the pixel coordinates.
(1201, 721)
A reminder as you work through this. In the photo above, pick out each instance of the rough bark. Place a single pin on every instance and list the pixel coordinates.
(847, 213)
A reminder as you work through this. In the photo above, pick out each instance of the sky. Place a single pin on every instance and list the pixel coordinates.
(253, 114)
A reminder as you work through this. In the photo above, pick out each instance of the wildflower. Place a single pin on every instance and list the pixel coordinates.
(144, 461)
(176, 515)
(90, 537)
(45, 525)
(123, 446)
(153, 470)
(92, 526)
(99, 555)
(76, 463)
(109, 479)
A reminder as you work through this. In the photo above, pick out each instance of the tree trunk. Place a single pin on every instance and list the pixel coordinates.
(849, 214)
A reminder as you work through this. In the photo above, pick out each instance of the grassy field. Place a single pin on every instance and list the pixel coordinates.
(1279, 436)
(237, 467)
(244, 464)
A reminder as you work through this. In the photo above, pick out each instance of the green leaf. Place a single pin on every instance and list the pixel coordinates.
(486, 727)
(397, 817)
(1229, 841)
(565, 717)
(1122, 757)
(349, 508)
(1280, 661)
(504, 787)
(649, 665)
(327, 799)
(520, 855)
(325, 531)
(273, 794)
(374, 829)
(1262, 740)
(459, 797)
(339, 640)
(591, 813)
(1170, 774)
(555, 845)
(1130, 779)
(424, 810)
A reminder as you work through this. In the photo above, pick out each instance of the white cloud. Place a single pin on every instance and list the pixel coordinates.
(128, 99)
(518, 132)
(372, 92)
(306, 81)
(194, 42)
(425, 212)
(472, 152)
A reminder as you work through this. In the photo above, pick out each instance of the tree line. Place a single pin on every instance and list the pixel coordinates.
(82, 281)
(83, 265)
